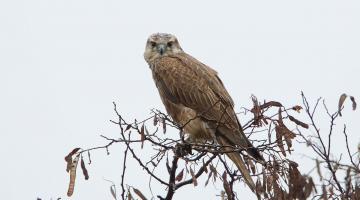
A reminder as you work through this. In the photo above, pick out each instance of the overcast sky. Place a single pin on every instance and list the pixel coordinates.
(62, 63)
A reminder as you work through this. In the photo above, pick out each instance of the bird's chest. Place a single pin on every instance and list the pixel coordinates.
(194, 126)
(186, 117)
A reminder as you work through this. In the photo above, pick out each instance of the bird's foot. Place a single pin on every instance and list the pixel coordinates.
(182, 149)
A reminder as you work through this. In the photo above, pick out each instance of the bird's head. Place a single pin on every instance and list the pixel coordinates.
(161, 44)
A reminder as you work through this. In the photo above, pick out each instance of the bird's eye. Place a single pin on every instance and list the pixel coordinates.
(169, 44)
(153, 44)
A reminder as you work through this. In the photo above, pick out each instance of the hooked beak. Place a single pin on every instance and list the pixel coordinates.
(161, 48)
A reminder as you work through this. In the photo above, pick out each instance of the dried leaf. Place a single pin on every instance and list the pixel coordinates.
(155, 120)
(310, 186)
(264, 177)
(186, 167)
(164, 125)
(279, 140)
(139, 193)
(72, 176)
(256, 110)
(112, 191)
(205, 167)
(276, 167)
(129, 196)
(227, 187)
(341, 103)
(193, 177)
(84, 170)
(353, 102)
(297, 182)
(289, 144)
(88, 153)
(300, 123)
(324, 193)
(311, 182)
(68, 158)
(213, 169)
(318, 169)
(128, 127)
(280, 116)
(297, 108)
(142, 135)
(265, 121)
(265, 105)
(146, 131)
(331, 191)
(293, 163)
(282, 131)
(287, 133)
(209, 176)
(72, 153)
(180, 176)
(271, 103)
(348, 185)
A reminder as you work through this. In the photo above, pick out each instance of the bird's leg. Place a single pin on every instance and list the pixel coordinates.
(182, 136)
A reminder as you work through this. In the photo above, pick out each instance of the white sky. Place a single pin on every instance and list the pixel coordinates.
(62, 63)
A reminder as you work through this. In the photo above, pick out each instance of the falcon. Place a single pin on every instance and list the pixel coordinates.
(195, 98)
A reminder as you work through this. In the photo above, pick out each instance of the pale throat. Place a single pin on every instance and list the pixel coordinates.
(150, 55)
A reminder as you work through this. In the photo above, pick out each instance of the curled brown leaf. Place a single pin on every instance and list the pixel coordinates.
(193, 177)
(72, 175)
(318, 170)
(180, 176)
(341, 103)
(282, 131)
(155, 120)
(213, 170)
(139, 193)
(353, 102)
(298, 122)
(265, 105)
(264, 177)
(164, 125)
(279, 139)
(324, 193)
(84, 170)
(68, 158)
(209, 176)
(112, 191)
(297, 108)
(142, 135)
(227, 187)
(128, 127)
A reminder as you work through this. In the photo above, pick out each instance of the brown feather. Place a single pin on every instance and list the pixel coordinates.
(238, 161)
(185, 81)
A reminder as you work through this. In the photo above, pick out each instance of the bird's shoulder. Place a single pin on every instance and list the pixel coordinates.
(186, 70)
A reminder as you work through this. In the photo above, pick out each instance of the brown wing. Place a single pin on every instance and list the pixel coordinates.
(210, 76)
(184, 80)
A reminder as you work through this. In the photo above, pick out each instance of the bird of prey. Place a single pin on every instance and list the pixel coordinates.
(195, 97)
